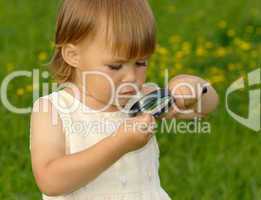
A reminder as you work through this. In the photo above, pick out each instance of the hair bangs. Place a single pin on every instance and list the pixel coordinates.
(130, 32)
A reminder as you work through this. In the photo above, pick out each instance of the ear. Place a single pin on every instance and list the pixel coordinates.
(71, 55)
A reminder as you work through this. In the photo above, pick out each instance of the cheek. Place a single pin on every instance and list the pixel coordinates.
(101, 85)
(141, 74)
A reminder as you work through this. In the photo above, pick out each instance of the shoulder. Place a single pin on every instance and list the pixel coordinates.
(44, 110)
(47, 102)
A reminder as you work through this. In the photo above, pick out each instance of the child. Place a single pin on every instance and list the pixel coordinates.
(73, 159)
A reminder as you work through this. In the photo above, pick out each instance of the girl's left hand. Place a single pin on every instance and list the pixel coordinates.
(194, 97)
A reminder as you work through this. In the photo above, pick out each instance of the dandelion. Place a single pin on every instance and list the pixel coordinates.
(162, 50)
(231, 33)
(175, 39)
(245, 45)
(237, 41)
(221, 52)
(172, 72)
(209, 45)
(29, 88)
(200, 51)
(179, 55)
(42, 56)
(189, 71)
(232, 66)
(214, 70)
(216, 75)
(178, 66)
(217, 79)
(242, 44)
(9, 67)
(222, 24)
(20, 92)
(186, 47)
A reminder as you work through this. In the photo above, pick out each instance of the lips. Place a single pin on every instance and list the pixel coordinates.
(129, 92)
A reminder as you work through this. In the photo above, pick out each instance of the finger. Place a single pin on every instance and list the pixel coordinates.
(179, 100)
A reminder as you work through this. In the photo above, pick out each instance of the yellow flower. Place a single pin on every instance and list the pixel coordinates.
(222, 24)
(179, 55)
(231, 33)
(29, 88)
(221, 52)
(162, 50)
(209, 45)
(20, 92)
(42, 56)
(200, 51)
(186, 47)
(217, 79)
(242, 44)
(175, 39)
(189, 71)
(172, 72)
(232, 66)
(216, 75)
(9, 67)
(245, 45)
(237, 41)
(178, 66)
(215, 70)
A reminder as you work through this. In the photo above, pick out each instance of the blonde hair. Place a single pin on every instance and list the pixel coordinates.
(130, 29)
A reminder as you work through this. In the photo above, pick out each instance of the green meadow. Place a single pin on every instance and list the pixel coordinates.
(216, 39)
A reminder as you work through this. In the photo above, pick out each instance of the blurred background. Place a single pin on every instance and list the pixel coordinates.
(219, 40)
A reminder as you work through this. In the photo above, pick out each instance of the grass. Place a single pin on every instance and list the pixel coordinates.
(216, 39)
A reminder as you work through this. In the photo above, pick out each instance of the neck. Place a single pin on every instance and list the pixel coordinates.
(92, 102)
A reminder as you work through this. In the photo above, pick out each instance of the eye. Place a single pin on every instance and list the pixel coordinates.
(115, 66)
(142, 63)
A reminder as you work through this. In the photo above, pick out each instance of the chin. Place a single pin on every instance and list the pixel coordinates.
(121, 102)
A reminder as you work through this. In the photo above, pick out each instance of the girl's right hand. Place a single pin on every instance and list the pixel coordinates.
(135, 132)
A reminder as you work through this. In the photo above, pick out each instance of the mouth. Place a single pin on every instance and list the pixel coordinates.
(130, 92)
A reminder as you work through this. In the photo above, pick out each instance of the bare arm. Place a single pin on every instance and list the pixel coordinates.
(57, 173)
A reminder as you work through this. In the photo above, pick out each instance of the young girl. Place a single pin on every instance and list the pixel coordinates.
(73, 158)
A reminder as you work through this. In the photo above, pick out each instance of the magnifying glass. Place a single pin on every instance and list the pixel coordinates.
(155, 103)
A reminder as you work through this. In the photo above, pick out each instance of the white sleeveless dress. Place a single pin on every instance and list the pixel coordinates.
(133, 177)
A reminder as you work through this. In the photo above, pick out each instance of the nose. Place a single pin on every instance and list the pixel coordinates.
(130, 75)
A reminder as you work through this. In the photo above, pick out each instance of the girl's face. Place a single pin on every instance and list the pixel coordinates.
(108, 73)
